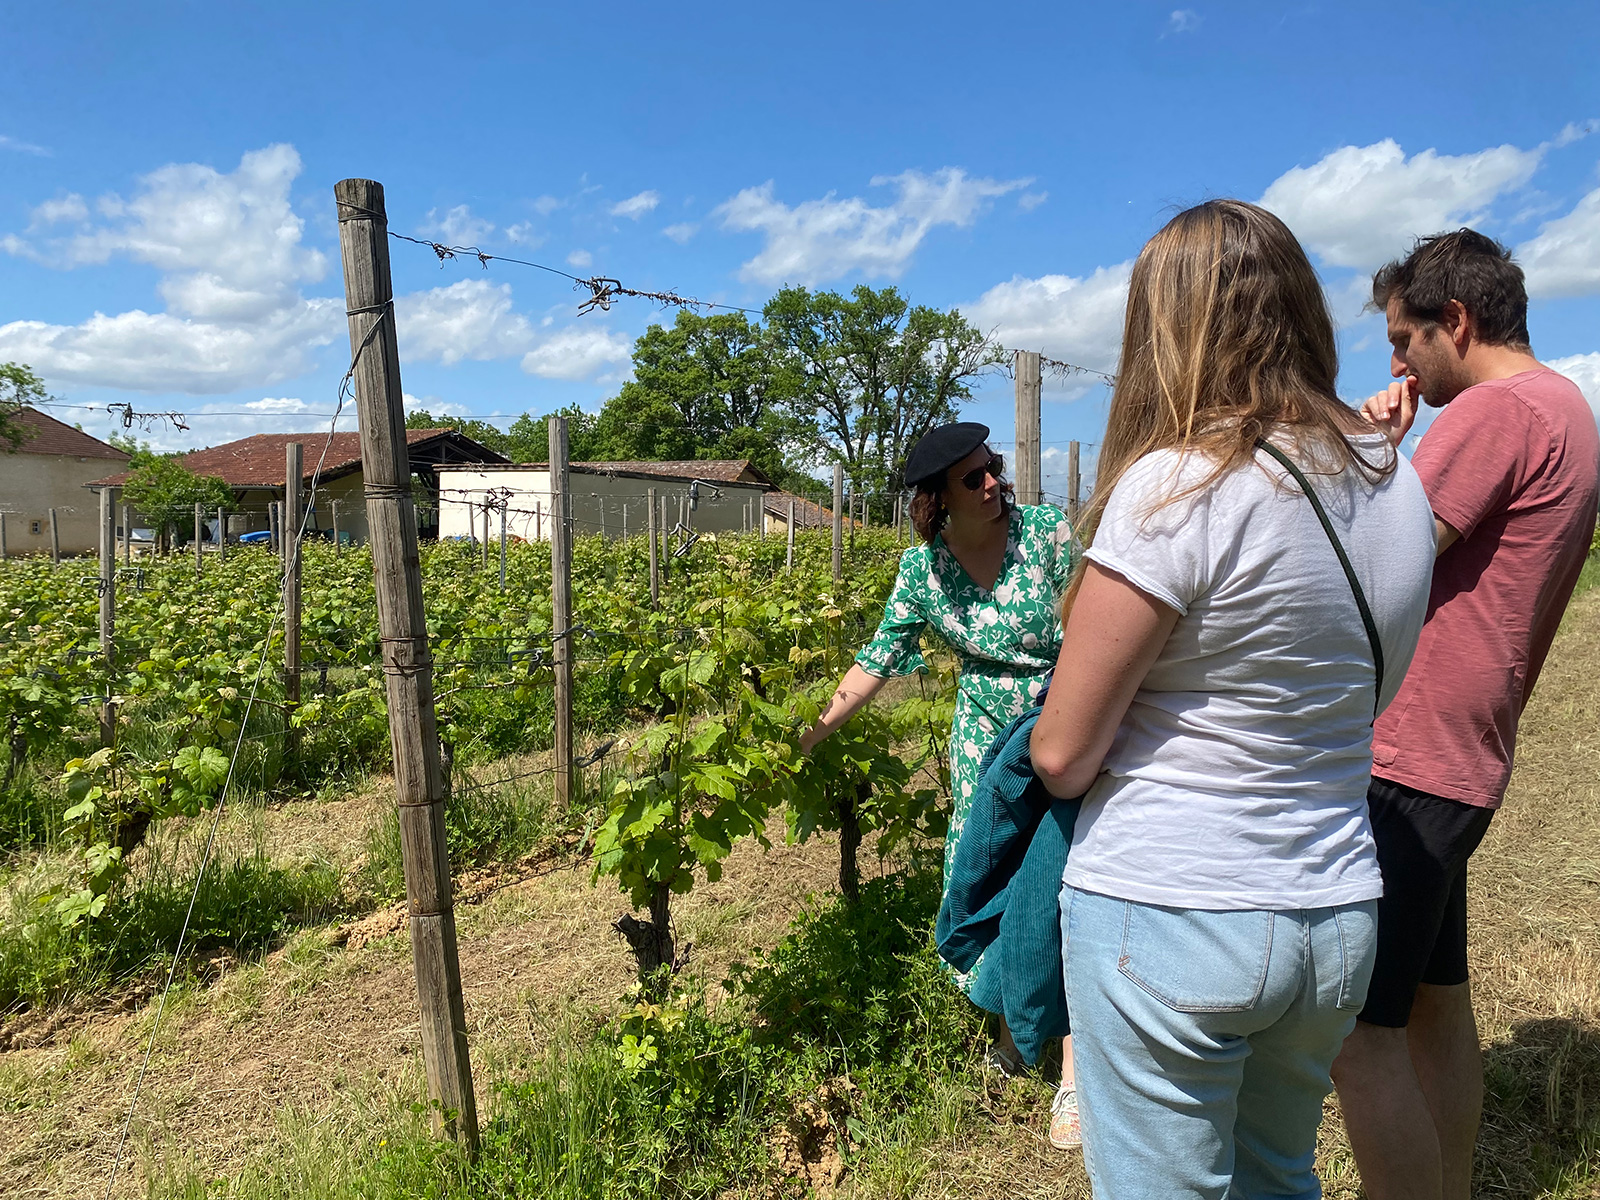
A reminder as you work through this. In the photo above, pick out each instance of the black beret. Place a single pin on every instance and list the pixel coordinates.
(942, 448)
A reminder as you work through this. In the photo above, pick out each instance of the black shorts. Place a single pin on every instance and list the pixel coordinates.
(1424, 842)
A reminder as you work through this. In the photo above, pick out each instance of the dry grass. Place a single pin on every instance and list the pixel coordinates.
(322, 1027)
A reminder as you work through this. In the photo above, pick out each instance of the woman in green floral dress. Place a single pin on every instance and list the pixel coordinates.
(987, 578)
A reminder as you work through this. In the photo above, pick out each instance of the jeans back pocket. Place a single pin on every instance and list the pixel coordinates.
(1197, 962)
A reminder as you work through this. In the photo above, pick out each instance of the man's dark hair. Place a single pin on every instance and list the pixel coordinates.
(1465, 266)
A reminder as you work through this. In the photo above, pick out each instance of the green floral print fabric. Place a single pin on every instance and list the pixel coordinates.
(1007, 639)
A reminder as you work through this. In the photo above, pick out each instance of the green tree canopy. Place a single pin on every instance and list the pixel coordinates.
(876, 373)
(165, 492)
(19, 387)
(481, 432)
(705, 387)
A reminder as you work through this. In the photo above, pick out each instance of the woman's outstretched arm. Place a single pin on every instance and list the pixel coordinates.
(1113, 636)
(852, 694)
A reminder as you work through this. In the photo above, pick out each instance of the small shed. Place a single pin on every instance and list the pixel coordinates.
(48, 471)
(714, 496)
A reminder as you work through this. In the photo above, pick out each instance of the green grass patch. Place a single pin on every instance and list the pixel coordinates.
(245, 906)
(845, 1045)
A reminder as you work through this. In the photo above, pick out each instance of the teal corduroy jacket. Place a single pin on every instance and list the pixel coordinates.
(1003, 898)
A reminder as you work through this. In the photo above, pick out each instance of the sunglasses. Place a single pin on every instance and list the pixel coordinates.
(973, 479)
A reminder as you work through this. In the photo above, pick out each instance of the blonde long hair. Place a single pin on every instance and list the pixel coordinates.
(1227, 339)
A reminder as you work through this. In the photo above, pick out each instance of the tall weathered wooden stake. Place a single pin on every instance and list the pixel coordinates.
(127, 534)
(561, 607)
(502, 544)
(55, 538)
(108, 608)
(4, 552)
(222, 535)
(788, 553)
(1074, 503)
(650, 534)
(293, 472)
(838, 522)
(199, 528)
(407, 664)
(338, 546)
(1028, 479)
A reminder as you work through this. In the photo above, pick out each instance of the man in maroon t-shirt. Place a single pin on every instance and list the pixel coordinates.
(1510, 469)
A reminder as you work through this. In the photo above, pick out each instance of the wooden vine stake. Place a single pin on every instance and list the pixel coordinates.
(293, 472)
(407, 663)
(561, 608)
(650, 533)
(1028, 479)
(838, 523)
(108, 609)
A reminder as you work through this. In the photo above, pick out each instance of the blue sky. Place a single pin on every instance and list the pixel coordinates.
(167, 225)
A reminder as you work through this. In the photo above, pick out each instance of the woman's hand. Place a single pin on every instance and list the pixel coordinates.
(1113, 636)
(854, 690)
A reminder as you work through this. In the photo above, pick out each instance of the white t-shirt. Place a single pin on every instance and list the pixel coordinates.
(1238, 778)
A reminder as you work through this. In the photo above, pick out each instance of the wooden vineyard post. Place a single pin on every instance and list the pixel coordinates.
(273, 527)
(1073, 483)
(650, 535)
(199, 528)
(666, 559)
(55, 539)
(538, 520)
(788, 554)
(407, 663)
(1029, 482)
(502, 544)
(4, 552)
(338, 546)
(483, 542)
(838, 522)
(222, 535)
(561, 608)
(293, 471)
(127, 534)
(108, 608)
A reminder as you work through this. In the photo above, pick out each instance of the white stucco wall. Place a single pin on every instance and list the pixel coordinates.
(600, 503)
(32, 484)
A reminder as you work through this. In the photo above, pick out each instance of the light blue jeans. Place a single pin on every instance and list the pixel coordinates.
(1202, 1041)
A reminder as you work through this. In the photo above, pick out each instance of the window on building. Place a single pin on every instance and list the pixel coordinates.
(35, 527)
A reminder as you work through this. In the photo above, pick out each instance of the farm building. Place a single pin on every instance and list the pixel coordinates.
(48, 471)
(610, 497)
(808, 514)
(254, 468)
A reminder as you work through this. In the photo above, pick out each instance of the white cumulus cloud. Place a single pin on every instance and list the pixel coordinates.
(578, 352)
(457, 226)
(1361, 205)
(579, 259)
(1583, 370)
(1077, 320)
(471, 318)
(1183, 20)
(819, 240)
(229, 248)
(681, 232)
(635, 207)
(1564, 258)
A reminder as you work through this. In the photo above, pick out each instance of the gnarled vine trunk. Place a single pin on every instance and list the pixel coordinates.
(850, 841)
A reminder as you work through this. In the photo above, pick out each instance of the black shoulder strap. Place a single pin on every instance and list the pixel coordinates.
(1344, 561)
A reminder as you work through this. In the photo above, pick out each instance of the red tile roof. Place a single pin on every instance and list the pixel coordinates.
(258, 461)
(46, 435)
(808, 514)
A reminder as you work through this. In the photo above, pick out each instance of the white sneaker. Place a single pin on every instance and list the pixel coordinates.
(1066, 1130)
